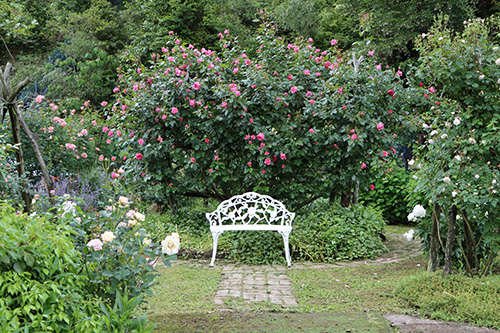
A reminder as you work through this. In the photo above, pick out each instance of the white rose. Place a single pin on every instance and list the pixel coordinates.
(497, 61)
(123, 200)
(132, 223)
(458, 158)
(454, 193)
(472, 140)
(481, 76)
(69, 207)
(411, 162)
(139, 217)
(425, 126)
(477, 176)
(446, 179)
(415, 177)
(409, 235)
(447, 125)
(494, 181)
(419, 211)
(147, 241)
(177, 239)
(108, 236)
(431, 141)
(169, 246)
(434, 132)
(444, 136)
(456, 122)
(411, 217)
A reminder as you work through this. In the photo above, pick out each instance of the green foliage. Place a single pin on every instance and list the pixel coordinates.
(459, 165)
(41, 289)
(390, 194)
(328, 233)
(321, 233)
(193, 118)
(395, 25)
(123, 257)
(455, 298)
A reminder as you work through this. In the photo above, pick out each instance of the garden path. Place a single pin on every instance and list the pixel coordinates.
(270, 283)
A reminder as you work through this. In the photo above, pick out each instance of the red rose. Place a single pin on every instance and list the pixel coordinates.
(390, 92)
(138, 156)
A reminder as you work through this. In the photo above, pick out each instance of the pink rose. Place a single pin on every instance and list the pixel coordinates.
(196, 85)
(390, 92)
(141, 142)
(267, 161)
(354, 136)
(363, 165)
(174, 110)
(283, 156)
(260, 136)
(372, 187)
(380, 126)
(96, 244)
(138, 156)
(293, 89)
(193, 160)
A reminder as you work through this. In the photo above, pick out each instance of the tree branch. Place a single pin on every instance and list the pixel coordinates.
(17, 89)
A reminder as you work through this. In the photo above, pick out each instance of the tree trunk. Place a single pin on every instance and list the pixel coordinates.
(434, 242)
(333, 193)
(345, 200)
(469, 254)
(36, 148)
(9, 97)
(452, 223)
(16, 140)
(355, 196)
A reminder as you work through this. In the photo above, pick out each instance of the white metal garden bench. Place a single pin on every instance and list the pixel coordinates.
(251, 211)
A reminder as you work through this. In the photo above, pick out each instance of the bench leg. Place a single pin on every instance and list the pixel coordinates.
(285, 235)
(215, 236)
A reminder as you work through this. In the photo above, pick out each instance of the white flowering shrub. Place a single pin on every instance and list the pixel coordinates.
(460, 164)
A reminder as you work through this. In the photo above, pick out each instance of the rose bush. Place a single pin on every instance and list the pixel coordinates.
(294, 121)
(459, 166)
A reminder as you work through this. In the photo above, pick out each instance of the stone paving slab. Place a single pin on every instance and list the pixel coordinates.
(256, 284)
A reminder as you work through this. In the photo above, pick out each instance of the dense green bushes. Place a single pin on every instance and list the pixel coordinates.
(390, 195)
(321, 233)
(40, 285)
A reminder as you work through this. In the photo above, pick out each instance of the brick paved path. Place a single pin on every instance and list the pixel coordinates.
(256, 284)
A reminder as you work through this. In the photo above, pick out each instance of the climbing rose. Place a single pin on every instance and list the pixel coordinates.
(39, 98)
(390, 92)
(293, 89)
(363, 165)
(380, 126)
(260, 136)
(96, 244)
(196, 85)
(418, 211)
(138, 156)
(108, 236)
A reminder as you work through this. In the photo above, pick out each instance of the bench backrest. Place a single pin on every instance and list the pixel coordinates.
(250, 209)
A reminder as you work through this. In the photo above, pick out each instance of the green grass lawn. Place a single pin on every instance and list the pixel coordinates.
(183, 299)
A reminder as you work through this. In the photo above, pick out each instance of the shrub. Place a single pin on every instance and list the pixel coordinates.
(40, 285)
(322, 232)
(454, 298)
(329, 233)
(390, 195)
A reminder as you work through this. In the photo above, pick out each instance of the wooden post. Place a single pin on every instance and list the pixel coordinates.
(9, 99)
